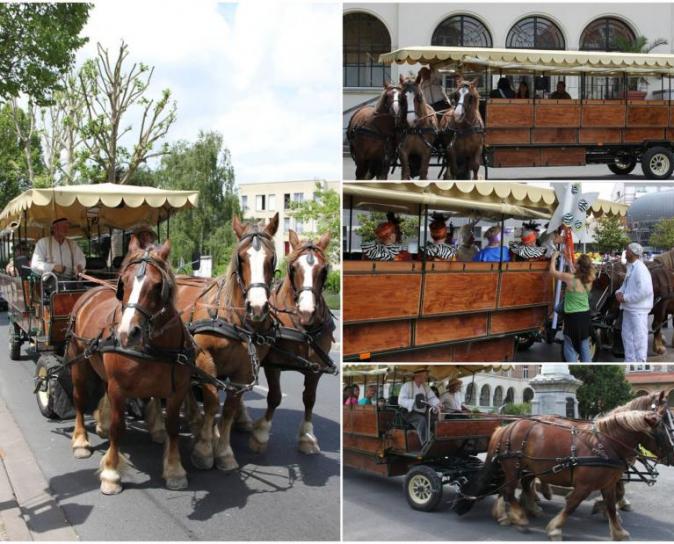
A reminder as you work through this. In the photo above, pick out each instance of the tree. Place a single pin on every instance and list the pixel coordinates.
(663, 234)
(610, 234)
(109, 92)
(325, 210)
(37, 46)
(204, 165)
(604, 387)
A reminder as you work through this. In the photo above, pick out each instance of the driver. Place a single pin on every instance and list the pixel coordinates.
(146, 235)
(414, 397)
(57, 253)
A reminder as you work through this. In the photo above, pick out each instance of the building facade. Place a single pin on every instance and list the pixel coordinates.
(650, 378)
(260, 201)
(488, 391)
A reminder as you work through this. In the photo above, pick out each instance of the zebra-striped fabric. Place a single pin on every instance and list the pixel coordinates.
(375, 251)
(527, 252)
(442, 252)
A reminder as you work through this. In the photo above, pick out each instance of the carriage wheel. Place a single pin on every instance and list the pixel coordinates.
(45, 393)
(657, 163)
(14, 342)
(623, 165)
(423, 488)
(524, 341)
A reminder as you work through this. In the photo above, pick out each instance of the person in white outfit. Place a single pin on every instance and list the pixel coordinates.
(451, 400)
(413, 397)
(636, 300)
(57, 253)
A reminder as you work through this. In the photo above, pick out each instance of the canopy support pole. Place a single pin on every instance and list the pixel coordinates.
(350, 221)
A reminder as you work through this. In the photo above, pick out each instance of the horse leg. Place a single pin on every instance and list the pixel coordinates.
(193, 412)
(573, 499)
(154, 419)
(110, 466)
(623, 503)
(259, 438)
(80, 441)
(308, 443)
(224, 456)
(102, 416)
(517, 516)
(204, 440)
(498, 511)
(404, 165)
(425, 162)
(615, 528)
(243, 422)
(174, 472)
(528, 497)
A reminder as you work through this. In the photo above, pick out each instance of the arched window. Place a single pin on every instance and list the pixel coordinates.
(470, 394)
(461, 31)
(535, 33)
(528, 395)
(606, 34)
(510, 395)
(365, 38)
(485, 395)
(498, 396)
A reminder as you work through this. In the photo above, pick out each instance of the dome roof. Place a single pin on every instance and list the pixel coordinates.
(652, 207)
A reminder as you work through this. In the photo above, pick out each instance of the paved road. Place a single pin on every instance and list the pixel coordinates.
(375, 509)
(590, 172)
(279, 495)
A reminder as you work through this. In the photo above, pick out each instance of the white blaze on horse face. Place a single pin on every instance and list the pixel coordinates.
(257, 296)
(396, 102)
(306, 301)
(411, 111)
(458, 110)
(125, 325)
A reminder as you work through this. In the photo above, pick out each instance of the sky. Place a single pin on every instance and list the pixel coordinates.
(266, 75)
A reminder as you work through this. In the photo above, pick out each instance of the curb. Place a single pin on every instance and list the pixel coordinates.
(32, 513)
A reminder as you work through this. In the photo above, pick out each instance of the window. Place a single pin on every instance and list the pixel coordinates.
(461, 31)
(498, 396)
(244, 203)
(485, 395)
(528, 395)
(365, 38)
(286, 224)
(641, 367)
(260, 203)
(510, 395)
(286, 201)
(535, 33)
(271, 203)
(299, 227)
(470, 393)
(298, 197)
(525, 372)
(607, 34)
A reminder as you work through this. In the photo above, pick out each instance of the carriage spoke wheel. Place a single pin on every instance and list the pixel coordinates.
(423, 488)
(657, 163)
(14, 337)
(623, 164)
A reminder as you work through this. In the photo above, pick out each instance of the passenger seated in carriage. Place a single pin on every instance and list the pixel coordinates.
(57, 253)
(437, 248)
(493, 252)
(503, 89)
(387, 246)
(416, 397)
(467, 250)
(551, 241)
(450, 399)
(526, 249)
(430, 83)
(146, 235)
(560, 93)
(523, 90)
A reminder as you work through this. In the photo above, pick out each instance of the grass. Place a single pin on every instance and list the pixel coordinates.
(332, 299)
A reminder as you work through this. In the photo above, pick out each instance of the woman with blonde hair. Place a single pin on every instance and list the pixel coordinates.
(576, 308)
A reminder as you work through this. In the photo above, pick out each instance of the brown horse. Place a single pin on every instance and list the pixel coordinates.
(584, 456)
(419, 133)
(372, 134)
(463, 132)
(300, 306)
(229, 320)
(133, 342)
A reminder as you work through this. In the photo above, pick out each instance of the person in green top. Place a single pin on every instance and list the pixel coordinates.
(576, 308)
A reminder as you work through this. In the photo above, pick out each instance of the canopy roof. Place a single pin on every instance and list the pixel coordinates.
(533, 60)
(88, 206)
(484, 198)
(437, 372)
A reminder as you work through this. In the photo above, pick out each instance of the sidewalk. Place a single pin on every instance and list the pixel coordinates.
(27, 510)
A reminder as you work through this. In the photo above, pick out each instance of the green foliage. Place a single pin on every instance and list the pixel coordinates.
(204, 166)
(663, 234)
(368, 223)
(512, 409)
(325, 210)
(610, 235)
(37, 46)
(604, 387)
(333, 282)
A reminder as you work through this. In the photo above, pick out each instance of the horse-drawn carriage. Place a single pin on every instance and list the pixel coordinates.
(423, 310)
(608, 123)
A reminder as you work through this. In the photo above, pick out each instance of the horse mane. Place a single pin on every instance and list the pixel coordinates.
(643, 402)
(630, 420)
(379, 107)
(164, 265)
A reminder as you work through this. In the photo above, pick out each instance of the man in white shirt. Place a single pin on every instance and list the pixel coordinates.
(413, 397)
(58, 254)
(636, 300)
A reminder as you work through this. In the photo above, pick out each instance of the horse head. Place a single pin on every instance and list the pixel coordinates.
(466, 99)
(253, 264)
(660, 441)
(392, 102)
(308, 270)
(145, 288)
(416, 103)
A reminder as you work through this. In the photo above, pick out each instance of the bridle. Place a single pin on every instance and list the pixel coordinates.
(255, 238)
(312, 249)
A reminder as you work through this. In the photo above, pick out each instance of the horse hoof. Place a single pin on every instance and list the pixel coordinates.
(504, 522)
(110, 488)
(202, 462)
(256, 446)
(555, 535)
(100, 431)
(626, 507)
(309, 447)
(226, 464)
(176, 484)
(81, 453)
(620, 535)
(158, 437)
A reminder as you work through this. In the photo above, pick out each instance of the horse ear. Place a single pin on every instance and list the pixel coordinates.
(387, 83)
(293, 239)
(418, 78)
(475, 82)
(237, 226)
(661, 398)
(324, 241)
(402, 79)
(134, 245)
(165, 250)
(272, 227)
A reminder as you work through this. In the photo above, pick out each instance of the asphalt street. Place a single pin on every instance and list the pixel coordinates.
(279, 495)
(376, 509)
(565, 173)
